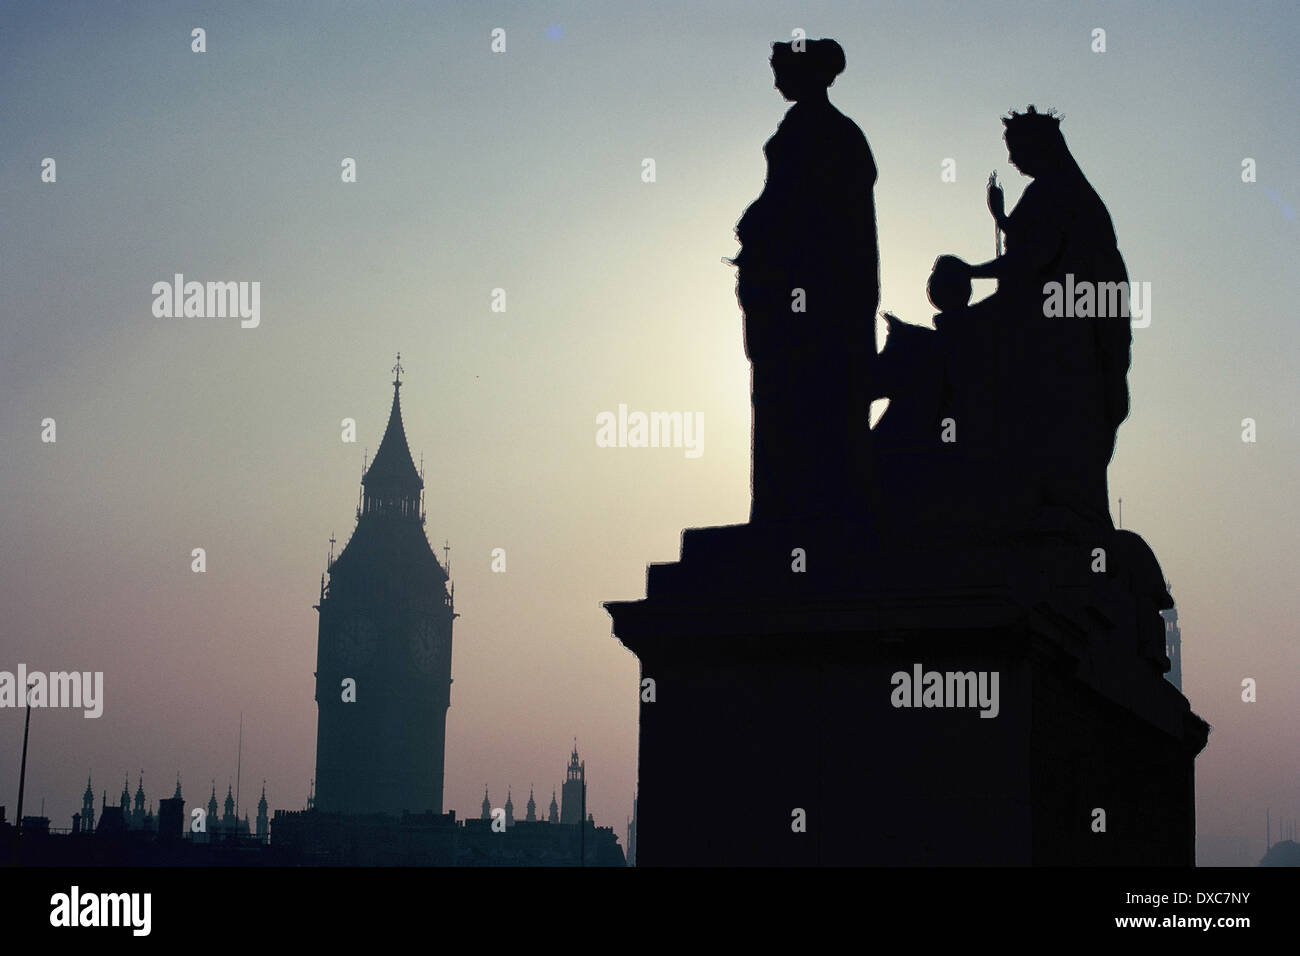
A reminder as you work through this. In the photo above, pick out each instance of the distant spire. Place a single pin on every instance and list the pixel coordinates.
(487, 805)
(391, 485)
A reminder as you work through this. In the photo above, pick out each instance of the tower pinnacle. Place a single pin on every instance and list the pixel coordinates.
(387, 569)
(392, 485)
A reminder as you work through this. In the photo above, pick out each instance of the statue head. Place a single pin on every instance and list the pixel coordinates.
(807, 72)
(1034, 141)
(949, 287)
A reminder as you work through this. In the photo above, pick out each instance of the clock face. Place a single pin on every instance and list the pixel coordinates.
(357, 640)
(425, 644)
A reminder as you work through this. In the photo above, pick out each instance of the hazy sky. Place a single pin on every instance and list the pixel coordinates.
(522, 171)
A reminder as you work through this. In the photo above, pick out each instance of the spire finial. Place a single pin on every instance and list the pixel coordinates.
(397, 371)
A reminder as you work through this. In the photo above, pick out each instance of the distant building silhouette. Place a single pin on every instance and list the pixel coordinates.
(87, 820)
(439, 839)
(1282, 853)
(572, 796)
(171, 816)
(112, 820)
(212, 822)
(140, 819)
(263, 823)
(132, 814)
(631, 837)
(220, 825)
(383, 666)
(231, 825)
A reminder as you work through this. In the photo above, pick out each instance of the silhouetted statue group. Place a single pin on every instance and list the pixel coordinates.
(970, 525)
(1001, 417)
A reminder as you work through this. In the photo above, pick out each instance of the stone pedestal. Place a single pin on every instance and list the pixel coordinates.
(776, 691)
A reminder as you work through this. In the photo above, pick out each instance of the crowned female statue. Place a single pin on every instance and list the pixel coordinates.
(1070, 370)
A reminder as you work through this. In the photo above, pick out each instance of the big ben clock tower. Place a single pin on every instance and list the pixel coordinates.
(383, 655)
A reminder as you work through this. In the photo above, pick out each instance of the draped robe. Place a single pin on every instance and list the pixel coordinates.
(809, 241)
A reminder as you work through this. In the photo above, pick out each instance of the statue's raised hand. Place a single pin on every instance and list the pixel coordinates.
(997, 202)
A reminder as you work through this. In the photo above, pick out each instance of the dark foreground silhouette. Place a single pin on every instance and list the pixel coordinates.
(809, 285)
(959, 557)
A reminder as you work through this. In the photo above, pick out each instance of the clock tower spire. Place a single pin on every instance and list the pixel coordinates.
(383, 666)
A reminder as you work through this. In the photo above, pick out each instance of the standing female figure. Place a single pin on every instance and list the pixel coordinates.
(809, 285)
